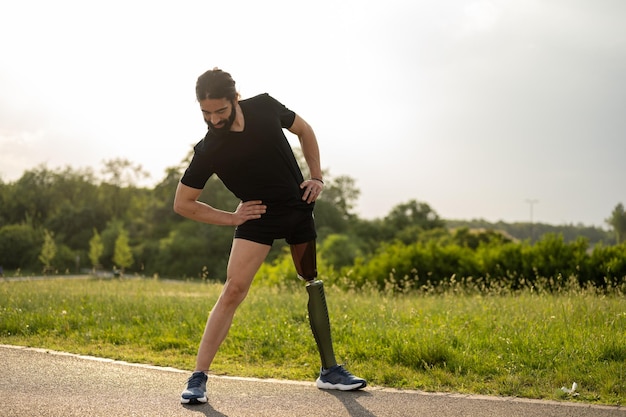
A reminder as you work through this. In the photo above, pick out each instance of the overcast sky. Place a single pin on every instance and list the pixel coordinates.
(474, 107)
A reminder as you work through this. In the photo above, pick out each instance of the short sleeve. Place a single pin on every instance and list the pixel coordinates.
(198, 172)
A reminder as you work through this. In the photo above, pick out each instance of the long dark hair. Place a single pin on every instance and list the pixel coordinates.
(216, 83)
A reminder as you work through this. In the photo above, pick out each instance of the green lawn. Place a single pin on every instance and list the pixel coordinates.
(520, 344)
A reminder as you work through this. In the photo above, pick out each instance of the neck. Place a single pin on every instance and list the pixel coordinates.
(239, 122)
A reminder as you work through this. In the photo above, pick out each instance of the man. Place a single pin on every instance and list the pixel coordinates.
(246, 148)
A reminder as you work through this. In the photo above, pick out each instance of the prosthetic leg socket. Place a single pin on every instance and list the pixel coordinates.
(320, 323)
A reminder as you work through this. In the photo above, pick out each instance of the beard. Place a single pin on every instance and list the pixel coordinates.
(225, 128)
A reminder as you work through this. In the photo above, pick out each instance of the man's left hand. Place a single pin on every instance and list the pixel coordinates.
(312, 190)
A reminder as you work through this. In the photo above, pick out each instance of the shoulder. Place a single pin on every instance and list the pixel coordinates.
(207, 144)
(259, 99)
(266, 105)
(263, 102)
(199, 146)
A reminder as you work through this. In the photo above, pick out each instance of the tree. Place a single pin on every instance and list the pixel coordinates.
(342, 193)
(18, 246)
(31, 197)
(414, 215)
(96, 248)
(5, 190)
(618, 222)
(72, 222)
(192, 250)
(122, 255)
(122, 172)
(48, 251)
(339, 250)
(119, 185)
(159, 215)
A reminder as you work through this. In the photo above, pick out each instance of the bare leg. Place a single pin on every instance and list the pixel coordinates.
(245, 260)
(304, 259)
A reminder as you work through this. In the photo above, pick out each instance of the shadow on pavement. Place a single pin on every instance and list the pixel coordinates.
(204, 409)
(349, 399)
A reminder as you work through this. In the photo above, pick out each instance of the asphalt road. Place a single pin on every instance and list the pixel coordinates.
(36, 382)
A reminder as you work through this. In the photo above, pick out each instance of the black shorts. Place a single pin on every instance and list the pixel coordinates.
(295, 226)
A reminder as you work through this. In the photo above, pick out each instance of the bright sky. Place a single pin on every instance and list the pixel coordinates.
(474, 107)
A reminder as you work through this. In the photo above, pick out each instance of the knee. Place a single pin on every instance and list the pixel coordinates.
(233, 294)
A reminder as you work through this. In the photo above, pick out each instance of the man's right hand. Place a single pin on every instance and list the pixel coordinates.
(248, 210)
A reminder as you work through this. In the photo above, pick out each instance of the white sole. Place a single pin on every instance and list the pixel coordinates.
(340, 387)
(193, 400)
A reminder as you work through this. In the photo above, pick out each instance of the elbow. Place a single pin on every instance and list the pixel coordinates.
(185, 208)
(178, 207)
(185, 201)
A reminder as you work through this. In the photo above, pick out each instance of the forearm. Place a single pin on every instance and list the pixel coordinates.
(204, 213)
(311, 151)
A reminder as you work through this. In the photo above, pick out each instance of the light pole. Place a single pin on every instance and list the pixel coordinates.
(531, 203)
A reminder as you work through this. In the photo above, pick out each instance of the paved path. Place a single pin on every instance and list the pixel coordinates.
(36, 382)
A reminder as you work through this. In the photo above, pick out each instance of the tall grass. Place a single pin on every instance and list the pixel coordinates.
(527, 343)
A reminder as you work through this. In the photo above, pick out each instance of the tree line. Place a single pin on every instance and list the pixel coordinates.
(72, 220)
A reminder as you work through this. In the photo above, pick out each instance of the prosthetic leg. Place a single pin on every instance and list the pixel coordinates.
(332, 376)
(304, 257)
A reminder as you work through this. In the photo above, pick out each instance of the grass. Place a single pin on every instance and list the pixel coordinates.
(523, 344)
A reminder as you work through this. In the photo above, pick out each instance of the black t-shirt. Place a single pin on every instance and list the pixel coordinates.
(255, 164)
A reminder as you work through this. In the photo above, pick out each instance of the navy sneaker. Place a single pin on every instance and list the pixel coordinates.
(338, 378)
(196, 389)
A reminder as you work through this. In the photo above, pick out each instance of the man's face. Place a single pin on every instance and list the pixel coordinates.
(219, 113)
